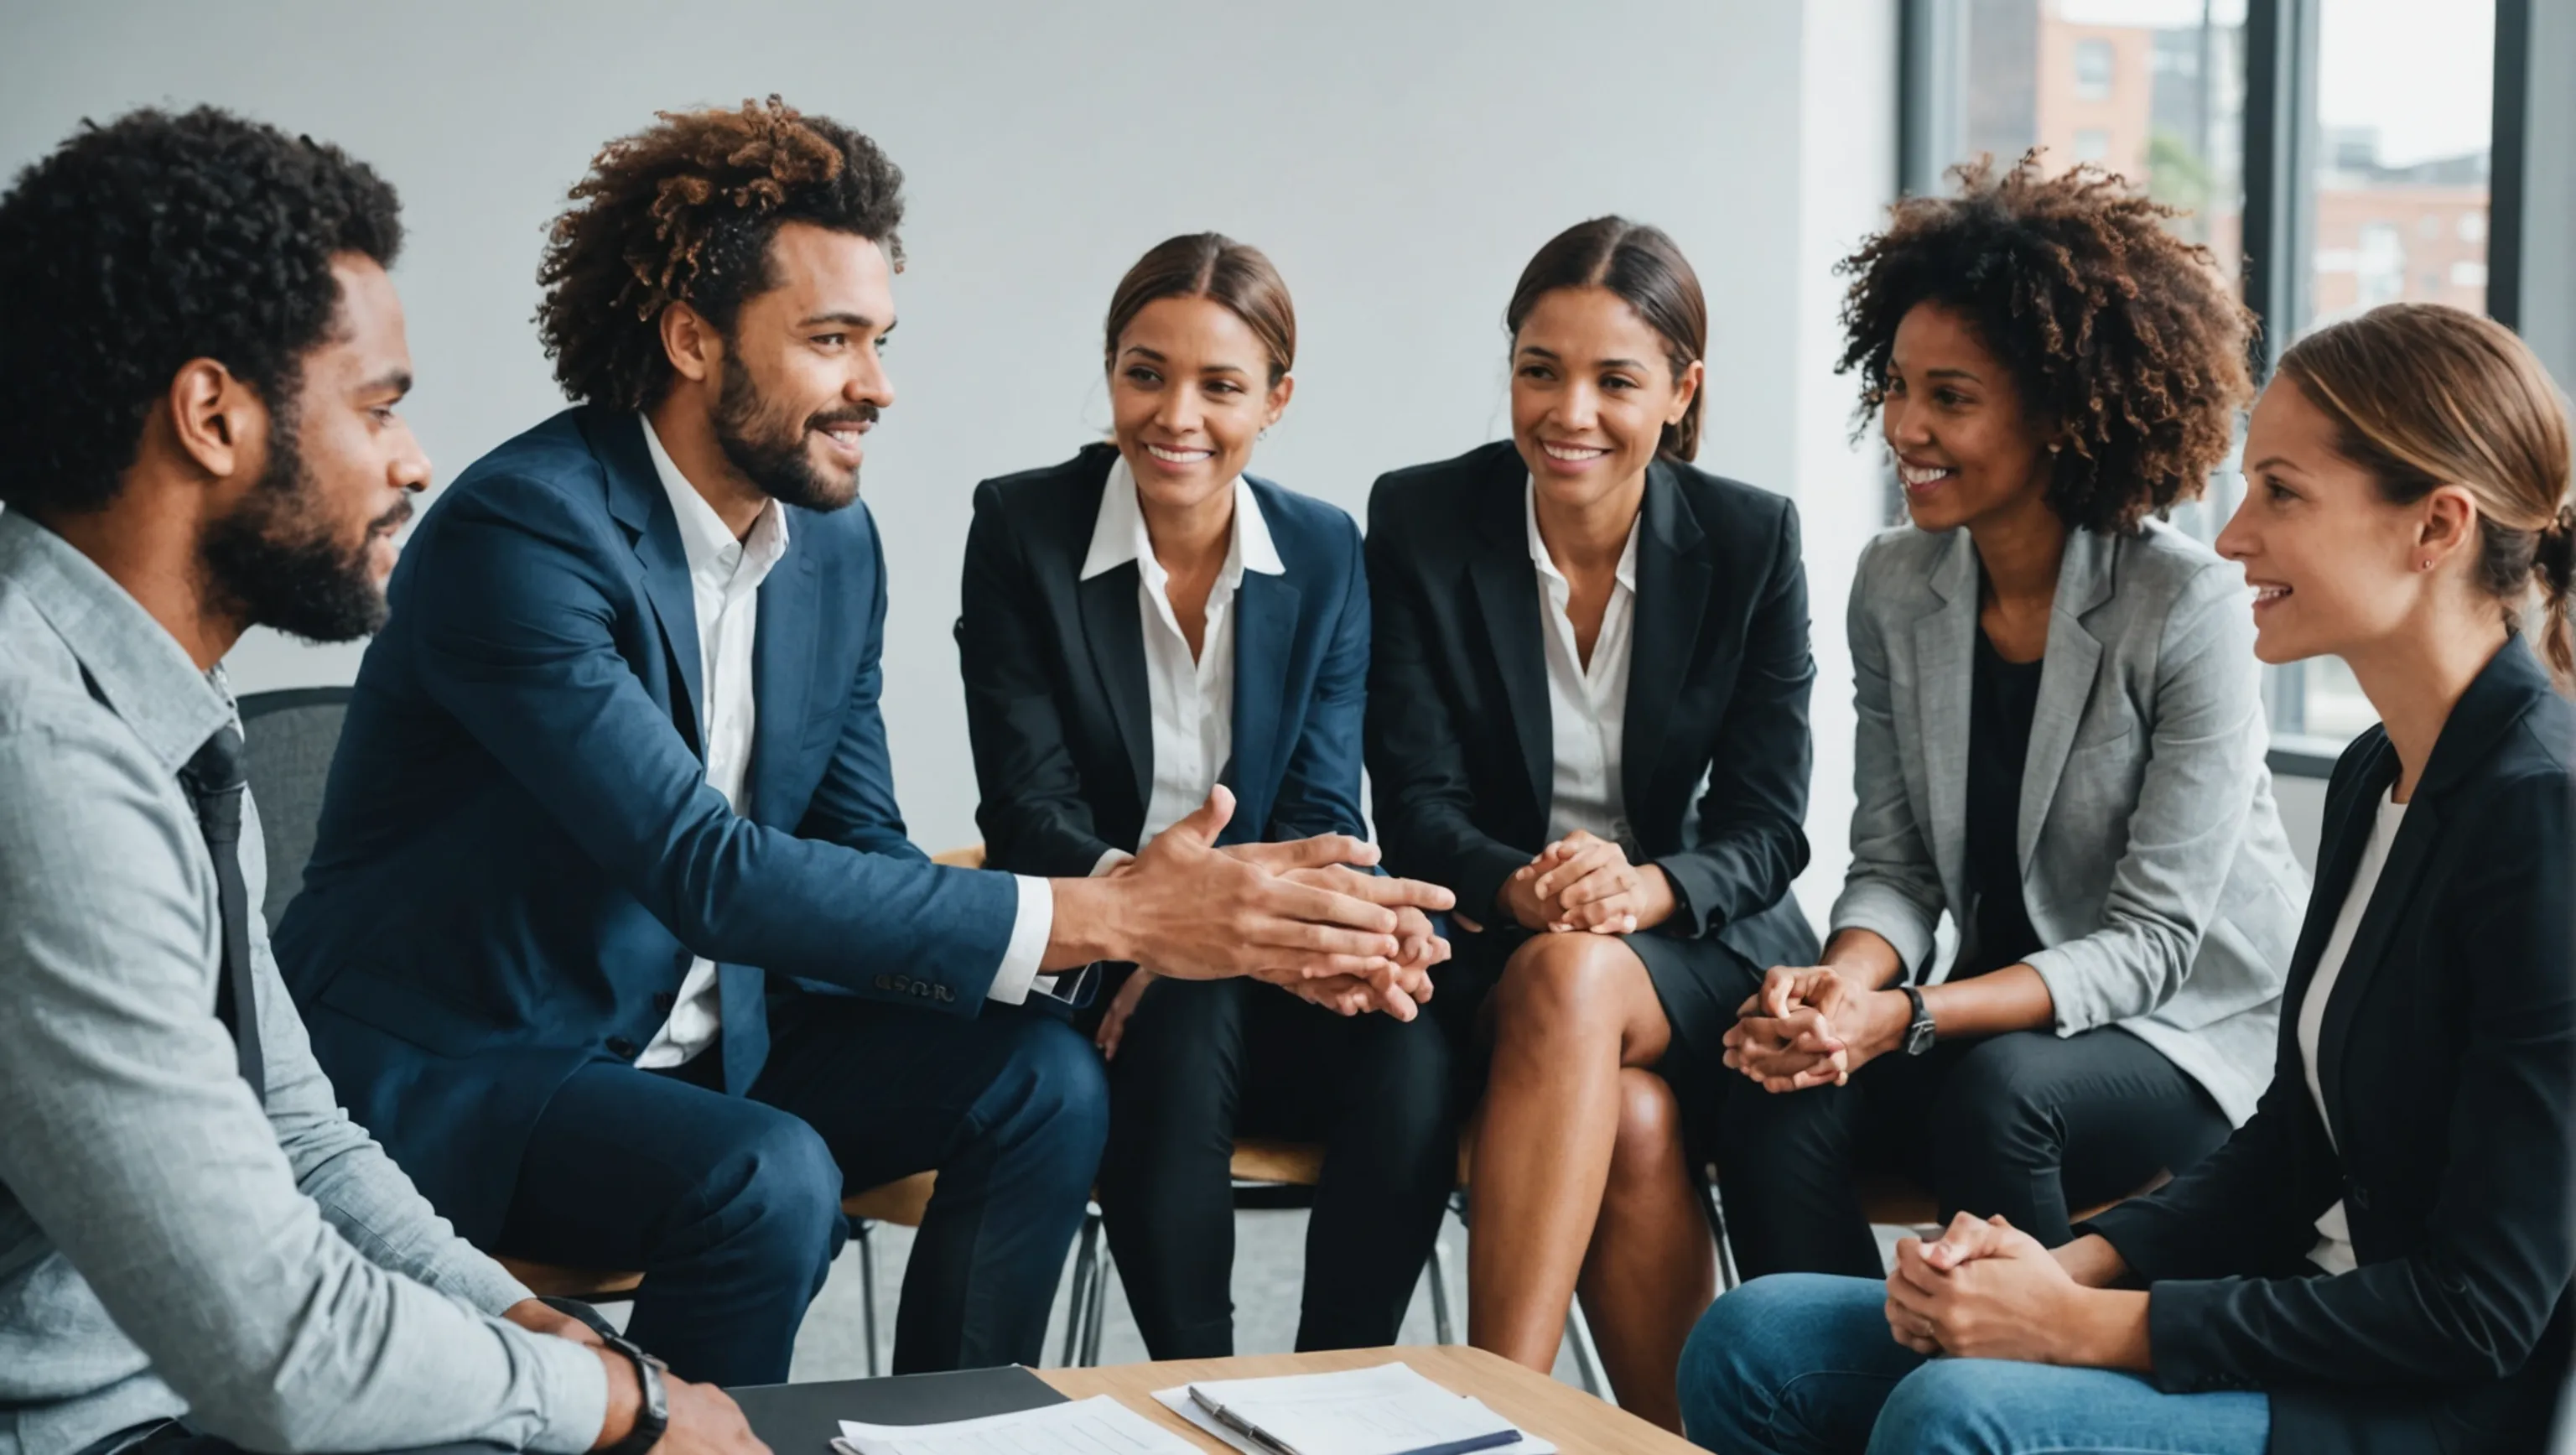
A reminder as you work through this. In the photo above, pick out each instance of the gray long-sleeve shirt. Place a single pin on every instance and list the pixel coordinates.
(166, 1247)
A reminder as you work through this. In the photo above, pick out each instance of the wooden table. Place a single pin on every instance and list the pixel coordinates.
(1575, 1421)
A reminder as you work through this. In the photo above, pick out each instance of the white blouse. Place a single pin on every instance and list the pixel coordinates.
(2333, 1251)
(1191, 701)
(1587, 705)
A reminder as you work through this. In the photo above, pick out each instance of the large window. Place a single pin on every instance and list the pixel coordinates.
(2334, 155)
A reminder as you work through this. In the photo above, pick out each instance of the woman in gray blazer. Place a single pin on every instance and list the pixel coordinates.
(2061, 744)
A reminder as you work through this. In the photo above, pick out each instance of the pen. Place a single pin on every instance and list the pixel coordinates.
(1238, 1424)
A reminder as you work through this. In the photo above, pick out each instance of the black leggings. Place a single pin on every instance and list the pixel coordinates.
(2026, 1124)
(1202, 1061)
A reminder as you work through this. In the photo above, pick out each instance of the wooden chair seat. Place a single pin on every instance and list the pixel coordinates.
(900, 1202)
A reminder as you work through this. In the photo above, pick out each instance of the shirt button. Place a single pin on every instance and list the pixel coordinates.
(624, 1049)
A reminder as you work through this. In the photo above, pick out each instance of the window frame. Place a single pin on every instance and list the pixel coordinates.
(2282, 142)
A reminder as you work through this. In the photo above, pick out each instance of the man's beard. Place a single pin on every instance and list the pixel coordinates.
(273, 561)
(774, 457)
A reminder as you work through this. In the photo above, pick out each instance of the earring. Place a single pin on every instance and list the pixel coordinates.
(2055, 445)
(2425, 564)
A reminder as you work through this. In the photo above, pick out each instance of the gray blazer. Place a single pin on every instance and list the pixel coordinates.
(2153, 863)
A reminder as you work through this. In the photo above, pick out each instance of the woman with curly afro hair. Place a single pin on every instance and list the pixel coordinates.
(2060, 747)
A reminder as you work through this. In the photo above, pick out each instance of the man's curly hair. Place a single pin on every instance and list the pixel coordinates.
(683, 213)
(2122, 339)
(153, 240)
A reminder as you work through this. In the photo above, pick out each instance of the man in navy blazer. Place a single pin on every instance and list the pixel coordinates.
(612, 933)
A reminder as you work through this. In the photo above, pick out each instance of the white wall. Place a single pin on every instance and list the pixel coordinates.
(1398, 161)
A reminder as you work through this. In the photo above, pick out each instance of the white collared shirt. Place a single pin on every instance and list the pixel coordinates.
(1192, 702)
(1587, 705)
(724, 590)
(2333, 1250)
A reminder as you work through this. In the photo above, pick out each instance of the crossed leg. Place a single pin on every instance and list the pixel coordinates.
(1579, 1174)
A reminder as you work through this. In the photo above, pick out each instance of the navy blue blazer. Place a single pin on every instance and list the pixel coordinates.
(519, 853)
(1056, 699)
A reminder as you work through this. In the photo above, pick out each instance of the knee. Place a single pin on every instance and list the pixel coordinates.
(782, 1198)
(1953, 1407)
(1053, 1092)
(1998, 1099)
(1742, 1354)
(1650, 1121)
(1555, 984)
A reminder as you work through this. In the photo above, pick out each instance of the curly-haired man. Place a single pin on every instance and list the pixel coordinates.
(612, 932)
(202, 359)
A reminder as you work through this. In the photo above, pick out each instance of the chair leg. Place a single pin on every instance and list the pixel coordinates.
(1099, 1318)
(1086, 1269)
(1443, 1329)
(1715, 1204)
(1587, 1355)
(865, 1231)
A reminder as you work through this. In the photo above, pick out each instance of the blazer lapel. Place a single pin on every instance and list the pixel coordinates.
(1673, 580)
(637, 502)
(1945, 643)
(2370, 940)
(1265, 627)
(1116, 636)
(2073, 657)
(1507, 588)
(782, 682)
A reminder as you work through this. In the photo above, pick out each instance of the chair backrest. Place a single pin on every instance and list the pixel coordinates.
(287, 741)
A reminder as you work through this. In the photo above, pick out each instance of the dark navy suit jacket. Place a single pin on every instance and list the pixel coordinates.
(519, 854)
(1055, 676)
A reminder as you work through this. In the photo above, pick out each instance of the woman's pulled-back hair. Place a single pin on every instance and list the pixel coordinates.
(1646, 270)
(683, 212)
(1209, 265)
(2422, 395)
(2120, 337)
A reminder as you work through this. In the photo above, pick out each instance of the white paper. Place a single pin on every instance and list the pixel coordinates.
(1099, 1425)
(1381, 1410)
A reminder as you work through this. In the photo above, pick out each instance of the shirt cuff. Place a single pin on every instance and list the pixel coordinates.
(572, 1393)
(1110, 859)
(1030, 931)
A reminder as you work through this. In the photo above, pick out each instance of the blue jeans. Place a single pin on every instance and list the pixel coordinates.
(1802, 1364)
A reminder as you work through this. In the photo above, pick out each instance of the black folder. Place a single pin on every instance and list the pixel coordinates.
(803, 1419)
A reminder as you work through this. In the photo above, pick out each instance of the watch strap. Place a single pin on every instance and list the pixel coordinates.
(1919, 1032)
(653, 1409)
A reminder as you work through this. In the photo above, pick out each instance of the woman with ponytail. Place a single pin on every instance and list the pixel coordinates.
(2381, 1258)
(1588, 717)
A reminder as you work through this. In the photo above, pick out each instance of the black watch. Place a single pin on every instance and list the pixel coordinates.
(1918, 1032)
(653, 1411)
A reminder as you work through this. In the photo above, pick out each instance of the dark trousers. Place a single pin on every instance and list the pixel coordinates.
(1202, 1061)
(731, 1206)
(2026, 1124)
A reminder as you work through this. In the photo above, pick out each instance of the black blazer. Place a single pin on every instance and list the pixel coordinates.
(2448, 1062)
(1459, 750)
(1056, 702)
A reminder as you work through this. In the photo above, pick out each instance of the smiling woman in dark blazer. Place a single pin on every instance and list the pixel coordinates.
(1588, 717)
(2380, 1259)
(1145, 622)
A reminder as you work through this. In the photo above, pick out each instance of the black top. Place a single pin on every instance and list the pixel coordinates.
(2448, 1061)
(2001, 703)
(1715, 751)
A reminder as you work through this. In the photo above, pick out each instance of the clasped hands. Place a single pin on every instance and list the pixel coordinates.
(1303, 915)
(1584, 882)
(1985, 1289)
(1813, 1026)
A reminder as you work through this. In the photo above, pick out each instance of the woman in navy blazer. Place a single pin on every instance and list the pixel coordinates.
(2381, 1258)
(1144, 622)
